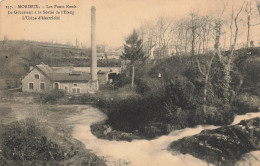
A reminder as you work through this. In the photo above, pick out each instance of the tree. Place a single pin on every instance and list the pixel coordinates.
(258, 6)
(133, 51)
(252, 19)
(206, 71)
(193, 26)
(157, 34)
(227, 60)
(248, 10)
(34, 58)
(146, 32)
(163, 34)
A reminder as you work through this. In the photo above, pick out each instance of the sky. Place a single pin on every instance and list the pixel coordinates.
(115, 19)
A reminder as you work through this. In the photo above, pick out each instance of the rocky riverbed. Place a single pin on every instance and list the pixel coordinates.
(224, 145)
(119, 148)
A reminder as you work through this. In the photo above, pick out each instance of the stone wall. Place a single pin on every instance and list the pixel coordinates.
(72, 87)
(30, 78)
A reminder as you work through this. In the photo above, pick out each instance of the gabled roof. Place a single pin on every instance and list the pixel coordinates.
(63, 74)
(71, 74)
(67, 77)
(44, 68)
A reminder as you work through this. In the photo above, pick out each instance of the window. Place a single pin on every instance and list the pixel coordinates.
(78, 90)
(36, 76)
(30, 85)
(66, 89)
(75, 84)
(56, 85)
(42, 86)
(74, 90)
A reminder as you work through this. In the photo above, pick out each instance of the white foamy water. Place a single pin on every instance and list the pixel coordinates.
(138, 152)
(251, 115)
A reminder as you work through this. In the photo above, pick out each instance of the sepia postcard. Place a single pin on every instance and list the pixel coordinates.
(130, 82)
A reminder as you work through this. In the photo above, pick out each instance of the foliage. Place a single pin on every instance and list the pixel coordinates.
(156, 113)
(24, 141)
(133, 49)
(170, 68)
(107, 63)
(148, 85)
(52, 96)
(178, 118)
(182, 94)
(247, 63)
(178, 106)
(121, 80)
(245, 102)
(176, 99)
(130, 113)
(213, 116)
(82, 99)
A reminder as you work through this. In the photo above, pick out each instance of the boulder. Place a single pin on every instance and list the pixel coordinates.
(224, 145)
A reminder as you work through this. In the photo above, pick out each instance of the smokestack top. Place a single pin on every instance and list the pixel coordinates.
(93, 8)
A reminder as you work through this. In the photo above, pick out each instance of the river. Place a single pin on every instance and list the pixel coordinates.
(144, 152)
(117, 153)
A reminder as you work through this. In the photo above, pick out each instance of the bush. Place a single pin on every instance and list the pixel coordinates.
(127, 114)
(213, 116)
(121, 80)
(52, 96)
(148, 85)
(180, 118)
(245, 103)
(82, 99)
(177, 107)
(247, 62)
(182, 94)
(131, 113)
(24, 141)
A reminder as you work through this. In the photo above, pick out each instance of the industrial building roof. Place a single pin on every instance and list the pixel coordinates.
(65, 74)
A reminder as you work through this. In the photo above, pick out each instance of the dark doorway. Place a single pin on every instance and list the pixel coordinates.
(56, 85)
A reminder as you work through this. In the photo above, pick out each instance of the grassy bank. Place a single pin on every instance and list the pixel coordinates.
(31, 142)
(36, 134)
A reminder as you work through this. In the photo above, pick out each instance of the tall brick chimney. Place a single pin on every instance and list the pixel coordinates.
(93, 45)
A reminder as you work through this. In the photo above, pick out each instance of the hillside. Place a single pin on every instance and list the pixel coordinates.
(17, 50)
(17, 56)
(246, 69)
(176, 99)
